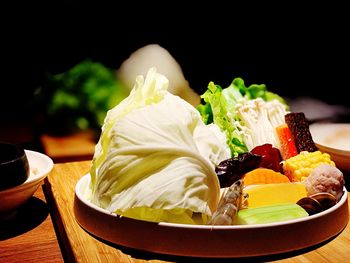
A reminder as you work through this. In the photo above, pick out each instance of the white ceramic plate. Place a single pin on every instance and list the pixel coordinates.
(209, 241)
(332, 135)
(10, 199)
(333, 138)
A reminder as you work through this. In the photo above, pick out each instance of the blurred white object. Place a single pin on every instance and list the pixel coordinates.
(316, 109)
(154, 55)
(334, 139)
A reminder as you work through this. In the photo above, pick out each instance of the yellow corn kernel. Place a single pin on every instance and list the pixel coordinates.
(301, 165)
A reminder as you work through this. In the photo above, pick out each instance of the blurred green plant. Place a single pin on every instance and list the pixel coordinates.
(79, 98)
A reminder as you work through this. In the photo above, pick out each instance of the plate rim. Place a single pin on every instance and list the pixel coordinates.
(210, 227)
(33, 179)
(125, 232)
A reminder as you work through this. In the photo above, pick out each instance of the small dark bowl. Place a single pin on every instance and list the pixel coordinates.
(14, 166)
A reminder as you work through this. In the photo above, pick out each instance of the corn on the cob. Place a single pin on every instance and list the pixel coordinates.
(300, 166)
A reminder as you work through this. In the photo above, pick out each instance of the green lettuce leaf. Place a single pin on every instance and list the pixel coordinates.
(219, 107)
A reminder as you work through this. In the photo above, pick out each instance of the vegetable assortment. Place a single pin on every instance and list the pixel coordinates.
(247, 115)
(240, 157)
(260, 123)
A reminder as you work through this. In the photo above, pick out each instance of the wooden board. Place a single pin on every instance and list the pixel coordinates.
(73, 147)
(80, 246)
(30, 236)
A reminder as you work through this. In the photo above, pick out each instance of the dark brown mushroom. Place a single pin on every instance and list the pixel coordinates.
(326, 200)
(318, 202)
(310, 205)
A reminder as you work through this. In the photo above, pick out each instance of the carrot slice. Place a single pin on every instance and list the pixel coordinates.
(288, 148)
(264, 176)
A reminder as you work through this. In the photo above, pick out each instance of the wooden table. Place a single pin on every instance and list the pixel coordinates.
(78, 146)
(30, 236)
(80, 246)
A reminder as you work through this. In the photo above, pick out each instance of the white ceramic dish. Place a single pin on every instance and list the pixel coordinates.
(11, 199)
(333, 138)
(209, 241)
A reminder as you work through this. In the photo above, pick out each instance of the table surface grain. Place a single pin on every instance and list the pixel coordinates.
(82, 247)
(30, 235)
(39, 241)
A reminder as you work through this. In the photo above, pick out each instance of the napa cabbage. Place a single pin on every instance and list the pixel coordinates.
(155, 159)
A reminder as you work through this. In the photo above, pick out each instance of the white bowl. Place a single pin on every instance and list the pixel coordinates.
(209, 241)
(11, 199)
(334, 139)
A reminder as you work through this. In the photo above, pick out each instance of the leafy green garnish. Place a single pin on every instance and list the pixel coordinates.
(80, 97)
(219, 107)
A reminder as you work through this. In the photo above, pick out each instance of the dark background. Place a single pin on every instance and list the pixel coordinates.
(294, 50)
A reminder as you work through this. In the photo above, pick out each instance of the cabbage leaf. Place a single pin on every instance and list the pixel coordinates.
(155, 159)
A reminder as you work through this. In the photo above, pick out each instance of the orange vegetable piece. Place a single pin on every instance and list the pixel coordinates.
(264, 176)
(288, 148)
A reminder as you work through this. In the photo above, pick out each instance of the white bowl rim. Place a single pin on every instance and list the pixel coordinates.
(33, 178)
(332, 149)
(318, 125)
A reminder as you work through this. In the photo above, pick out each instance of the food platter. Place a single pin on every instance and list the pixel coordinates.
(207, 241)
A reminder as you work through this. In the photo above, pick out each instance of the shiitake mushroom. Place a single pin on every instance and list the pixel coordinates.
(318, 202)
